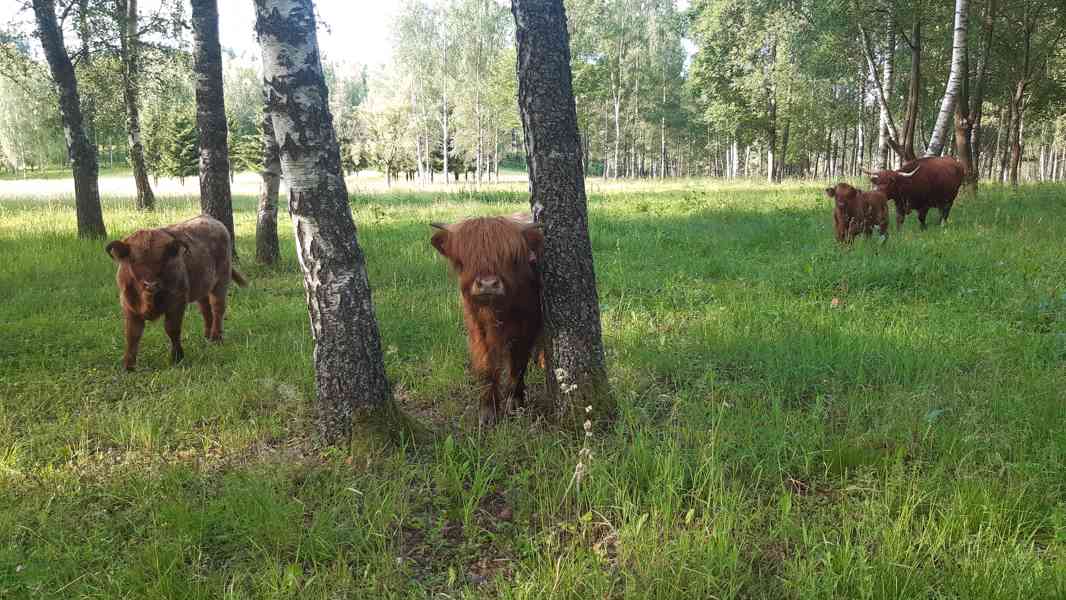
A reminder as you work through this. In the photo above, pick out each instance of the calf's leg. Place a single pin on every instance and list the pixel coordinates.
(205, 310)
(217, 299)
(520, 353)
(489, 404)
(172, 324)
(944, 212)
(134, 331)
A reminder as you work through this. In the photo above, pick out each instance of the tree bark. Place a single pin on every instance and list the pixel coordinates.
(576, 369)
(266, 225)
(215, 199)
(914, 91)
(130, 50)
(957, 77)
(890, 84)
(973, 124)
(80, 151)
(349, 369)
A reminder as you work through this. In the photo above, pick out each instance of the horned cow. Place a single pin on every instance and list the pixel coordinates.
(161, 270)
(494, 258)
(921, 184)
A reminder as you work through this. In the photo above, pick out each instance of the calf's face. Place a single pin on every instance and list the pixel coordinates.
(493, 257)
(144, 259)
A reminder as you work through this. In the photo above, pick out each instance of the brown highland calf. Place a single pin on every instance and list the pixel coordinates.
(494, 259)
(162, 270)
(856, 211)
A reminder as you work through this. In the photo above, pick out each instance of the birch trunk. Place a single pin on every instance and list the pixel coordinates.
(576, 370)
(955, 81)
(80, 151)
(215, 199)
(349, 370)
(890, 84)
(130, 51)
(266, 225)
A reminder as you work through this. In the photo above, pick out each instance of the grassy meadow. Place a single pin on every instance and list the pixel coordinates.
(798, 420)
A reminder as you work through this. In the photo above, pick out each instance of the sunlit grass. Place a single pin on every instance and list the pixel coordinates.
(903, 441)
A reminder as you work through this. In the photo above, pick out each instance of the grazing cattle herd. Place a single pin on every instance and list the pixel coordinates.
(161, 270)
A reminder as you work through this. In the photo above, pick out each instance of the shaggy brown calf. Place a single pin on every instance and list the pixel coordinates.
(494, 259)
(162, 270)
(922, 184)
(856, 211)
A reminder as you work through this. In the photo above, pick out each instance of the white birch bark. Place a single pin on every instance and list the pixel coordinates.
(349, 369)
(951, 93)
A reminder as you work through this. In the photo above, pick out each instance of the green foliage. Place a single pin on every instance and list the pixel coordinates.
(172, 145)
(904, 441)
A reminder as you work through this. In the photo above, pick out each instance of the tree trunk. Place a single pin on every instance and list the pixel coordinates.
(266, 225)
(349, 370)
(80, 151)
(1017, 129)
(890, 84)
(215, 197)
(973, 124)
(956, 77)
(914, 91)
(576, 370)
(130, 51)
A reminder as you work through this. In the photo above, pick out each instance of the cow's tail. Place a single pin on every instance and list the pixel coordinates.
(236, 275)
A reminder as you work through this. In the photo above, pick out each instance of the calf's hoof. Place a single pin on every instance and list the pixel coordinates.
(176, 356)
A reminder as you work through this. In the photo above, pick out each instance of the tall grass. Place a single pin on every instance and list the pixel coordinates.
(798, 420)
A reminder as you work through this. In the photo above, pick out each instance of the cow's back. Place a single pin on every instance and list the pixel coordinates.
(936, 184)
(207, 261)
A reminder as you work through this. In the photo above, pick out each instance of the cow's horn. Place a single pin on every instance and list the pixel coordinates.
(441, 226)
(911, 174)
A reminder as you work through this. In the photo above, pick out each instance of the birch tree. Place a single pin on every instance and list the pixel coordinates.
(130, 51)
(955, 80)
(349, 369)
(215, 199)
(80, 150)
(266, 223)
(576, 370)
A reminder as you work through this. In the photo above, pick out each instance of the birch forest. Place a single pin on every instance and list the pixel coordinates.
(767, 89)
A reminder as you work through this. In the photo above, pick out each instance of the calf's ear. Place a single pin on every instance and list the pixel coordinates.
(535, 238)
(440, 238)
(830, 192)
(174, 248)
(118, 250)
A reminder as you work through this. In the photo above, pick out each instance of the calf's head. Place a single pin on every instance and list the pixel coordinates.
(146, 260)
(494, 257)
(842, 195)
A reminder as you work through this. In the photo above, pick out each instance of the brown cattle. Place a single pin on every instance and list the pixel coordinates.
(162, 270)
(920, 185)
(856, 211)
(494, 259)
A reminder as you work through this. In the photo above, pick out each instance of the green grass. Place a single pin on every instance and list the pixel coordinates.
(907, 442)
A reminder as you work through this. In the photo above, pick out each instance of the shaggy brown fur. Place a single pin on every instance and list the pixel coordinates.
(920, 185)
(162, 270)
(856, 211)
(494, 258)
